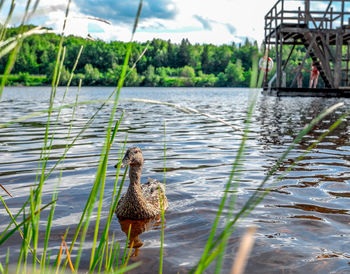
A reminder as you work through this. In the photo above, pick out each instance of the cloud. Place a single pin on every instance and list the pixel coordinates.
(152, 26)
(204, 22)
(125, 11)
(231, 28)
(201, 21)
(94, 28)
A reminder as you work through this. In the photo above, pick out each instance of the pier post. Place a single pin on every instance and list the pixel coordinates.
(338, 58)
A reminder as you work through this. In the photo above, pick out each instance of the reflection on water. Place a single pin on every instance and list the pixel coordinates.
(303, 224)
(134, 228)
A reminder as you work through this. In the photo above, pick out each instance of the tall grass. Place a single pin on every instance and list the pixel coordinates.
(13, 45)
(32, 208)
(105, 249)
(162, 213)
(217, 240)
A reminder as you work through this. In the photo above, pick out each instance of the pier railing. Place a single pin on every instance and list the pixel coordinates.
(315, 14)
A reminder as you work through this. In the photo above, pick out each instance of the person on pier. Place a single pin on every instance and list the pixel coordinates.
(314, 76)
(298, 71)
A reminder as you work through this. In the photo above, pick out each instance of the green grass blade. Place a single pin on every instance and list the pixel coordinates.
(258, 195)
(161, 256)
(115, 259)
(3, 27)
(48, 227)
(116, 127)
(128, 268)
(13, 221)
(102, 255)
(97, 223)
(54, 196)
(124, 263)
(46, 269)
(11, 216)
(113, 207)
(111, 254)
(234, 178)
(200, 267)
(24, 248)
(9, 66)
(254, 73)
(136, 19)
(104, 156)
(5, 237)
(101, 193)
(33, 223)
(164, 155)
(7, 261)
(46, 149)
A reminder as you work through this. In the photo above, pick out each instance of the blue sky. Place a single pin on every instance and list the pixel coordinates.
(201, 21)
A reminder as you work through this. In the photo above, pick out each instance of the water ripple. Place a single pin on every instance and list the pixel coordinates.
(304, 219)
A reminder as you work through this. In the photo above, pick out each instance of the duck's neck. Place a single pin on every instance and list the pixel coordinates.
(135, 181)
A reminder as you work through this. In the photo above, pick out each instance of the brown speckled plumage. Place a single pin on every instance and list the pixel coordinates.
(140, 201)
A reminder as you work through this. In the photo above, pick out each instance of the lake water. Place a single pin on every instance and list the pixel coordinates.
(302, 225)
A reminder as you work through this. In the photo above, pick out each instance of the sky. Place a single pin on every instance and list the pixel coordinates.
(201, 21)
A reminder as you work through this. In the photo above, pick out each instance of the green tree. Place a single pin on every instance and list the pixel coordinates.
(92, 75)
(205, 59)
(222, 58)
(234, 74)
(151, 79)
(164, 63)
(26, 60)
(188, 72)
(133, 79)
(171, 55)
(184, 54)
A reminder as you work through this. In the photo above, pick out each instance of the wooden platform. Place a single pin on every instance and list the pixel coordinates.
(292, 34)
(322, 27)
(308, 92)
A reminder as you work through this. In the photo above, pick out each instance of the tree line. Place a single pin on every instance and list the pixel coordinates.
(162, 63)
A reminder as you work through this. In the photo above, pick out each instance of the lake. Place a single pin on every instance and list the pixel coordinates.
(302, 224)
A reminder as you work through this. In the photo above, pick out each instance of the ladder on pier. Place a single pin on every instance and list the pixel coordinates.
(315, 49)
(325, 34)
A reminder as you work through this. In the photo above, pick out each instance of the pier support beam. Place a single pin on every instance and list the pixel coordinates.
(338, 59)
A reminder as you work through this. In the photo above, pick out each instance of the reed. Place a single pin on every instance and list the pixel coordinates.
(214, 249)
(105, 249)
(12, 46)
(31, 224)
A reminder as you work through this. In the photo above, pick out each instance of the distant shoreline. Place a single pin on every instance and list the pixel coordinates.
(27, 80)
(154, 63)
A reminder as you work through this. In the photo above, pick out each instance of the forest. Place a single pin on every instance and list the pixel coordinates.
(159, 63)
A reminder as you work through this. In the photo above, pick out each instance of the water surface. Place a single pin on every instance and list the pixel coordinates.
(302, 225)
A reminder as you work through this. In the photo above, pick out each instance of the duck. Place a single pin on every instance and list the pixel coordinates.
(141, 201)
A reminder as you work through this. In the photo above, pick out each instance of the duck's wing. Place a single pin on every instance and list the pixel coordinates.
(154, 185)
(150, 191)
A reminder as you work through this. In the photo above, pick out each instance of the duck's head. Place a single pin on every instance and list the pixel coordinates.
(132, 157)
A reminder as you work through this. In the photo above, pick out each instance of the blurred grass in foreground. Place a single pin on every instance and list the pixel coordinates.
(106, 252)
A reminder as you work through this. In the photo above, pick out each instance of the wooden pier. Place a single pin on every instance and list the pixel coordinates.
(308, 92)
(323, 28)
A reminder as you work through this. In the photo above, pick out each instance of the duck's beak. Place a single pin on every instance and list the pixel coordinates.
(125, 162)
